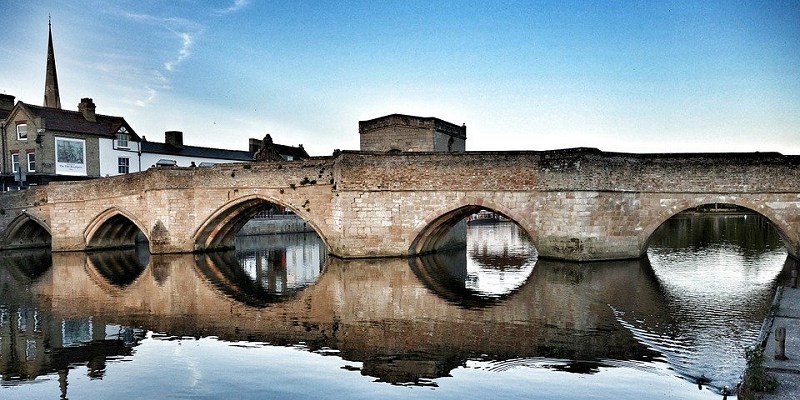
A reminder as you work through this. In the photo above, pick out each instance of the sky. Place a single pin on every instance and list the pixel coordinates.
(621, 76)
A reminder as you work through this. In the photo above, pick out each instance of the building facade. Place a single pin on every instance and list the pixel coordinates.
(43, 144)
(404, 133)
(174, 153)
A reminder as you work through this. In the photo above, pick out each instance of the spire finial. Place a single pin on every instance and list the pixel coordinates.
(51, 96)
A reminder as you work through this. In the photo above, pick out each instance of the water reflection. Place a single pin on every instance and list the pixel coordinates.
(24, 265)
(35, 341)
(265, 269)
(499, 260)
(718, 288)
(390, 322)
(501, 257)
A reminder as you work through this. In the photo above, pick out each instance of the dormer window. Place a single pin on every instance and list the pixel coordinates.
(22, 131)
(122, 137)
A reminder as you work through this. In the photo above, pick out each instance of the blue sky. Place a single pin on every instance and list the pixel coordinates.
(649, 76)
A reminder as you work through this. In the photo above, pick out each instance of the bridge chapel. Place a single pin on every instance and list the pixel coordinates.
(397, 133)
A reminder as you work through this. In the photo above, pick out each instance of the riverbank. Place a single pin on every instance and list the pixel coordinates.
(787, 372)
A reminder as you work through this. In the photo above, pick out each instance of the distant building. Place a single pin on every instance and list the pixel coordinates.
(43, 144)
(404, 133)
(174, 152)
(40, 144)
(266, 150)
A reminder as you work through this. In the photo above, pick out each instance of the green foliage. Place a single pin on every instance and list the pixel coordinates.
(756, 377)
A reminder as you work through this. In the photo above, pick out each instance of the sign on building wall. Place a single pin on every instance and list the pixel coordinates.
(70, 156)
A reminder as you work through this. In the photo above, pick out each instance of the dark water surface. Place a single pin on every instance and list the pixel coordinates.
(279, 319)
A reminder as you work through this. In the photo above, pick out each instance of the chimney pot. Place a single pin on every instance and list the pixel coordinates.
(87, 107)
(6, 102)
(174, 138)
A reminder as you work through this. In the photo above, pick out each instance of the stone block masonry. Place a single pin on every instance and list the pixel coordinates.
(576, 204)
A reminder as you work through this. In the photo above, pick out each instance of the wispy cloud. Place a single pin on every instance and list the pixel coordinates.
(156, 80)
(151, 95)
(184, 52)
(184, 29)
(236, 6)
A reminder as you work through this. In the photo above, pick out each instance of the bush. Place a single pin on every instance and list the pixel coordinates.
(756, 378)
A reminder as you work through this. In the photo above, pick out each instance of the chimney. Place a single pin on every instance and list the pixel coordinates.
(254, 146)
(6, 102)
(174, 138)
(86, 107)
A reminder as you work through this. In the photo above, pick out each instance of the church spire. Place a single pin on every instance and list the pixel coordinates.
(51, 97)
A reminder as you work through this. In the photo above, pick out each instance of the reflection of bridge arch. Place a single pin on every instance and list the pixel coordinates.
(26, 231)
(219, 230)
(430, 234)
(26, 265)
(780, 226)
(113, 228)
(115, 271)
(433, 272)
(221, 270)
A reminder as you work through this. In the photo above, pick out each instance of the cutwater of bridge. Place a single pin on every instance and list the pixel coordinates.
(575, 204)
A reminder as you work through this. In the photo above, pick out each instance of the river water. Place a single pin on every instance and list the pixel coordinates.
(279, 319)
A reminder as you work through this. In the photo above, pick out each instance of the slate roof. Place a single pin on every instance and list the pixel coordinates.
(194, 151)
(57, 119)
(297, 153)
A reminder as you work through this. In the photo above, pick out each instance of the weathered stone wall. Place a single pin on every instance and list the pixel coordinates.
(170, 205)
(578, 204)
(397, 138)
(410, 133)
(442, 142)
(573, 170)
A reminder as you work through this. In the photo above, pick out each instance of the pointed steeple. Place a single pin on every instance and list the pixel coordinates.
(51, 97)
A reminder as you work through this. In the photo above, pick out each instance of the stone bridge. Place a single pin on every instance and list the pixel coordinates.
(576, 204)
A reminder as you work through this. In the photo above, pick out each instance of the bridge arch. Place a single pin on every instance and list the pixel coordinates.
(219, 230)
(114, 228)
(27, 231)
(783, 229)
(430, 235)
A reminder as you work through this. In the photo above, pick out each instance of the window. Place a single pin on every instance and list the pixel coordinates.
(123, 165)
(22, 131)
(15, 162)
(31, 162)
(122, 137)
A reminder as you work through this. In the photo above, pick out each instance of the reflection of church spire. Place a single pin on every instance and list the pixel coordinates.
(51, 97)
